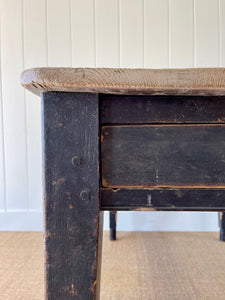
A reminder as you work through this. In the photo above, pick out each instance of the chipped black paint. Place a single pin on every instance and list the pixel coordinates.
(163, 199)
(72, 233)
(163, 156)
(119, 109)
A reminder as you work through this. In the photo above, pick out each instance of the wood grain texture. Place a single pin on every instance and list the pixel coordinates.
(122, 109)
(73, 222)
(163, 199)
(208, 81)
(163, 156)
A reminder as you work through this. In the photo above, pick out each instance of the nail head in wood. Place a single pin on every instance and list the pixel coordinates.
(76, 161)
(85, 195)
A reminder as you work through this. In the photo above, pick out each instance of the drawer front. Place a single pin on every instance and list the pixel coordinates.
(115, 109)
(163, 156)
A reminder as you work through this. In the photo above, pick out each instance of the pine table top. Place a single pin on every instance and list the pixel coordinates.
(197, 81)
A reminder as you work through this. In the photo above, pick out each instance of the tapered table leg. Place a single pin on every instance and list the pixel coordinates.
(73, 222)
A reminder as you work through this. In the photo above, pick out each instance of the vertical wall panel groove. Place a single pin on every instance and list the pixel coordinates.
(13, 106)
(131, 34)
(46, 28)
(58, 24)
(70, 33)
(94, 27)
(156, 33)
(2, 144)
(119, 31)
(181, 34)
(107, 38)
(194, 35)
(219, 35)
(25, 112)
(143, 29)
(169, 34)
(34, 55)
(83, 33)
(222, 33)
(206, 33)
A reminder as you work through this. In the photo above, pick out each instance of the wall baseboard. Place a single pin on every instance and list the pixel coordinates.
(165, 221)
(21, 221)
(127, 221)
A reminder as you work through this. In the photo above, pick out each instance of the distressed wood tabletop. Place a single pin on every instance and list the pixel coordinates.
(198, 81)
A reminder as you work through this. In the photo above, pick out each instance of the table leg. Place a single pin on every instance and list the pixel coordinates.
(73, 222)
(112, 224)
(222, 226)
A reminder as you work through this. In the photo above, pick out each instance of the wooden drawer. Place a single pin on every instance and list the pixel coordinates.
(117, 109)
(188, 156)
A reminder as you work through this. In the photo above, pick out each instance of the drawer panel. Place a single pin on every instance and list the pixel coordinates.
(117, 109)
(163, 156)
(163, 199)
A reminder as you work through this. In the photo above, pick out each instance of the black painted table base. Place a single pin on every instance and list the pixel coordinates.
(73, 221)
(222, 226)
(108, 152)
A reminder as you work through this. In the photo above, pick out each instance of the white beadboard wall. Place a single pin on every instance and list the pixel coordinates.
(91, 33)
